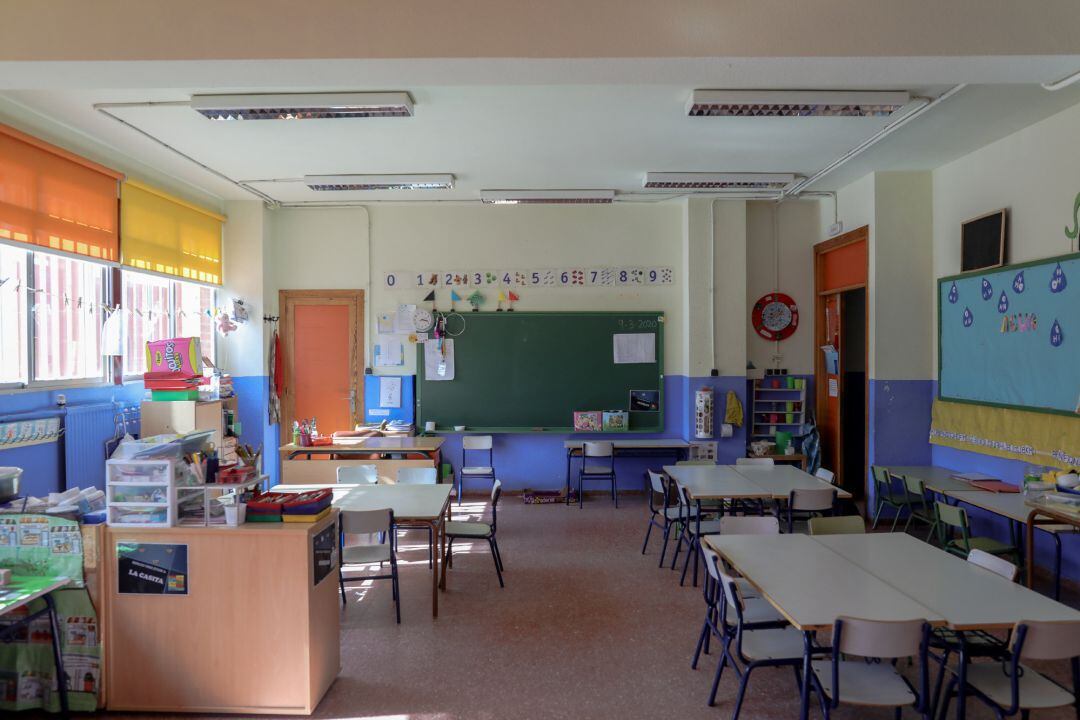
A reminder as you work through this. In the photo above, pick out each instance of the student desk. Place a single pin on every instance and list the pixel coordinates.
(715, 482)
(811, 586)
(318, 464)
(415, 504)
(782, 479)
(1054, 513)
(937, 480)
(643, 447)
(23, 590)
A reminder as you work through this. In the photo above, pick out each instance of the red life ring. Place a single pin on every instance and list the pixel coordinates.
(775, 316)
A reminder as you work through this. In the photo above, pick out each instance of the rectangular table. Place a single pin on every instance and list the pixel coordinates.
(427, 447)
(413, 504)
(23, 590)
(782, 479)
(1055, 513)
(715, 482)
(935, 479)
(811, 586)
(676, 448)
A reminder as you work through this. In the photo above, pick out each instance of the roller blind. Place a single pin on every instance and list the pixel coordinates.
(54, 199)
(168, 236)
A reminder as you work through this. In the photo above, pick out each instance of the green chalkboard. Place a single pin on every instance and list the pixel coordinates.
(523, 371)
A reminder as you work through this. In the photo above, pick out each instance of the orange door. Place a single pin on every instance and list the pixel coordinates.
(323, 349)
(831, 439)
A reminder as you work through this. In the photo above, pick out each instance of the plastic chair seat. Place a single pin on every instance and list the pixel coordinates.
(478, 471)
(707, 527)
(863, 683)
(365, 554)
(1036, 691)
(756, 610)
(986, 544)
(747, 590)
(597, 470)
(672, 513)
(774, 644)
(468, 529)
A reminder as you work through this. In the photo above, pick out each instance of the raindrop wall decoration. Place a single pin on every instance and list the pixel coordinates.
(1018, 283)
(987, 289)
(954, 294)
(1003, 303)
(1057, 280)
(968, 317)
(1056, 335)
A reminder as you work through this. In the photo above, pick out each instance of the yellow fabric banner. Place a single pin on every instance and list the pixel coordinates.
(1039, 438)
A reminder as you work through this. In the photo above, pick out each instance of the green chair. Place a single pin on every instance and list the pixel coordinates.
(838, 525)
(953, 519)
(886, 496)
(915, 501)
(695, 462)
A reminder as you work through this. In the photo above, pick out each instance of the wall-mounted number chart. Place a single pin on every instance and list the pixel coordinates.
(573, 277)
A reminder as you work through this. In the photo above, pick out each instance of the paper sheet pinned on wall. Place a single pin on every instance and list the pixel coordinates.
(439, 360)
(385, 323)
(403, 319)
(390, 392)
(832, 359)
(834, 387)
(388, 351)
(634, 348)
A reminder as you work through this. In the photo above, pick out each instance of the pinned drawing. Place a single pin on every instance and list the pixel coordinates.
(1018, 283)
(987, 289)
(1057, 337)
(1057, 280)
(512, 298)
(476, 300)
(954, 294)
(1003, 303)
(969, 319)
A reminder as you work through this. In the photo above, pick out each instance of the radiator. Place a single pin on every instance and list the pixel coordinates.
(86, 430)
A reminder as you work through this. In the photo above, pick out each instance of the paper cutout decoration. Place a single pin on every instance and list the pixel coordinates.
(225, 324)
(968, 317)
(954, 294)
(513, 298)
(1057, 280)
(987, 289)
(430, 297)
(1056, 335)
(502, 299)
(1018, 282)
(1003, 303)
(454, 297)
(476, 300)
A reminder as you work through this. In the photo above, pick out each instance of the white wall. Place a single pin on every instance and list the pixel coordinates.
(730, 280)
(792, 227)
(242, 353)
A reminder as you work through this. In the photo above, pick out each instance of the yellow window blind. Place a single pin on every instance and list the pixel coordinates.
(168, 236)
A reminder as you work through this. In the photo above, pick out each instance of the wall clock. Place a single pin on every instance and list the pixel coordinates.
(775, 316)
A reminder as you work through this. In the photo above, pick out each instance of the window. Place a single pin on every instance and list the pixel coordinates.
(14, 354)
(160, 308)
(66, 302)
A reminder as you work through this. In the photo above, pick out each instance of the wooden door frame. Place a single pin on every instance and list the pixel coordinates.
(860, 234)
(331, 296)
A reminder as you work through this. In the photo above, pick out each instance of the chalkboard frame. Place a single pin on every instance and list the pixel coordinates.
(656, 424)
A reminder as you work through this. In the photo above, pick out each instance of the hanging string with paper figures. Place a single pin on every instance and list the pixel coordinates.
(567, 277)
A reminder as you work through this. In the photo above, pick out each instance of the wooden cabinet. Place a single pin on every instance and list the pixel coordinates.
(183, 416)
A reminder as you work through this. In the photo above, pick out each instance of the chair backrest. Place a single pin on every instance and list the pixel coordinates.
(749, 525)
(598, 449)
(754, 461)
(841, 525)
(695, 462)
(417, 476)
(362, 522)
(913, 485)
(881, 478)
(993, 563)
(496, 493)
(1046, 640)
(656, 482)
(879, 638)
(728, 589)
(952, 516)
(476, 442)
(358, 474)
(827, 475)
(811, 499)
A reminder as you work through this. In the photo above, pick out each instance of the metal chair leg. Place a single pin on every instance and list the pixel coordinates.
(877, 513)
(498, 554)
(742, 692)
(663, 548)
(648, 532)
(495, 559)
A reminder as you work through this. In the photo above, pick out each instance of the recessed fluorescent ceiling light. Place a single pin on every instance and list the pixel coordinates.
(379, 182)
(718, 181)
(546, 197)
(303, 106)
(794, 103)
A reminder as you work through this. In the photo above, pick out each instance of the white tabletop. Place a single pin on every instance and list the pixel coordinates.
(715, 482)
(409, 502)
(812, 585)
(1010, 505)
(630, 443)
(782, 479)
(935, 479)
(966, 595)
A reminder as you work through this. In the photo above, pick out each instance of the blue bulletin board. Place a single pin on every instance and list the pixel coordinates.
(1010, 337)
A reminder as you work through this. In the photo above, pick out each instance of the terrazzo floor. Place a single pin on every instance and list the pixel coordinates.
(586, 627)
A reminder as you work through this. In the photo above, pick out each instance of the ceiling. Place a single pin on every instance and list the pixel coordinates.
(598, 132)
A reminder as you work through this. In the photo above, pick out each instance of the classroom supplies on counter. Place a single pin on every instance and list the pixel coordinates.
(616, 421)
(588, 421)
(300, 507)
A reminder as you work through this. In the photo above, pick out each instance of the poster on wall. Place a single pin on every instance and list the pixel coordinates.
(1011, 336)
(152, 568)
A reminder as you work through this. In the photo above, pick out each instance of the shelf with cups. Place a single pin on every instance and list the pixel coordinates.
(779, 403)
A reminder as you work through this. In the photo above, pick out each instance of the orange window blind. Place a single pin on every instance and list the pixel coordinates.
(166, 235)
(55, 199)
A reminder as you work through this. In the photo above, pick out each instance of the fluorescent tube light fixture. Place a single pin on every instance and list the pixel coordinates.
(547, 197)
(303, 106)
(732, 182)
(341, 183)
(794, 103)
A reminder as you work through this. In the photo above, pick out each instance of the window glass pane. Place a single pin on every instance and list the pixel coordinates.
(13, 349)
(67, 318)
(192, 303)
(146, 299)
